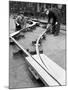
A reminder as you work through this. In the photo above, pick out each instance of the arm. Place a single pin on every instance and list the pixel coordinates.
(16, 21)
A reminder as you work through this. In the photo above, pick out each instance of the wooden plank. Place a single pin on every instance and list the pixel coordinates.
(44, 76)
(55, 70)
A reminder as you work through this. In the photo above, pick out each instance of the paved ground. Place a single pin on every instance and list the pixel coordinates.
(53, 47)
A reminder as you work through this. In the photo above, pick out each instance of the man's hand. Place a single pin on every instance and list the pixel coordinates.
(56, 23)
(48, 26)
(17, 24)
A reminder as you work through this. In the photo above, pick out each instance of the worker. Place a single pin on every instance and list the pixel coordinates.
(54, 19)
(20, 22)
(23, 22)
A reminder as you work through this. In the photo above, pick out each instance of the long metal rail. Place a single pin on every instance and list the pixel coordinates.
(38, 54)
(37, 43)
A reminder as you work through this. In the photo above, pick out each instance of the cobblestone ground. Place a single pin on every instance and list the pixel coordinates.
(53, 47)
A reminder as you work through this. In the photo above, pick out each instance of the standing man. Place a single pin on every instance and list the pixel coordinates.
(54, 20)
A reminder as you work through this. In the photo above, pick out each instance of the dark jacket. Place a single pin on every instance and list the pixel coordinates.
(55, 14)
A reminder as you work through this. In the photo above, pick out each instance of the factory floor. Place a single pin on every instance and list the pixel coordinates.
(53, 47)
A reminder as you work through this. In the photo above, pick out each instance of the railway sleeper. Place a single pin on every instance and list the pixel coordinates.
(29, 29)
(27, 50)
(32, 52)
(40, 51)
(43, 37)
(34, 42)
(19, 37)
(24, 30)
(39, 41)
(12, 43)
(19, 52)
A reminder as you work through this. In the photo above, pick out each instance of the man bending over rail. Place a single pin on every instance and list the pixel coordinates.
(54, 19)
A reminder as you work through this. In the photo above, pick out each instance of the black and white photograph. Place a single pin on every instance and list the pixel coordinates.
(37, 44)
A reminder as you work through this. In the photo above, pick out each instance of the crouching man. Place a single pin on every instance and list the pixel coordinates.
(20, 22)
(54, 17)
